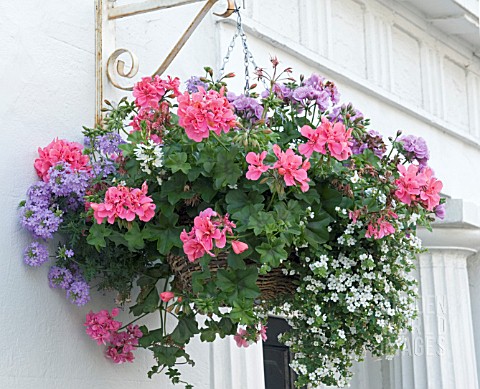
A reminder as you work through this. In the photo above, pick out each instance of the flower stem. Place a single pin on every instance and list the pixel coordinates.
(219, 141)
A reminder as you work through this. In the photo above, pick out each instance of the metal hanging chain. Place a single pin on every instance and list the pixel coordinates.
(247, 55)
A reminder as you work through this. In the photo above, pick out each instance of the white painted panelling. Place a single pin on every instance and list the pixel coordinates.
(271, 14)
(474, 283)
(315, 26)
(406, 64)
(379, 50)
(348, 35)
(473, 86)
(455, 93)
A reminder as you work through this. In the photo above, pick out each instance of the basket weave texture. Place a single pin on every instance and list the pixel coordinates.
(272, 285)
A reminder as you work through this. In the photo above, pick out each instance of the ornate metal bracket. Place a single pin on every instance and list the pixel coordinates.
(109, 67)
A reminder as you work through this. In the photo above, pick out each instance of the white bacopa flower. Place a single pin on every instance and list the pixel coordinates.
(355, 178)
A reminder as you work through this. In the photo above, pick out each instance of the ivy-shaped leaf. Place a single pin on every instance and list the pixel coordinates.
(272, 253)
(177, 162)
(134, 238)
(97, 235)
(186, 328)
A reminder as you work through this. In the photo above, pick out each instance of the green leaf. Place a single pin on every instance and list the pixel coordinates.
(165, 355)
(97, 235)
(198, 279)
(134, 238)
(242, 313)
(241, 206)
(186, 328)
(331, 198)
(226, 171)
(235, 261)
(172, 188)
(238, 283)
(260, 221)
(177, 161)
(204, 187)
(168, 238)
(150, 337)
(272, 254)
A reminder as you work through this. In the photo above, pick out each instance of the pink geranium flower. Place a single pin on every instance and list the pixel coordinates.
(124, 203)
(191, 246)
(409, 183)
(167, 296)
(290, 166)
(101, 325)
(239, 247)
(256, 166)
(60, 150)
(202, 112)
(150, 90)
(209, 229)
(332, 136)
(430, 192)
(379, 229)
(123, 343)
(240, 338)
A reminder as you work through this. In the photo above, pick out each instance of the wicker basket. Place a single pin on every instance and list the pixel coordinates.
(272, 285)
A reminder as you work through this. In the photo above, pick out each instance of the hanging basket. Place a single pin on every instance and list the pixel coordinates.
(272, 285)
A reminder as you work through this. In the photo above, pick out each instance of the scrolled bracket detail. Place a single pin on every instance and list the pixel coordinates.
(116, 68)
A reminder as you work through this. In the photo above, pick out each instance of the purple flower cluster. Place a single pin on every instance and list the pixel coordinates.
(314, 89)
(417, 148)
(193, 83)
(41, 222)
(246, 107)
(440, 211)
(373, 140)
(78, 293)
(77, 289)
(65, 182)
(64, 253)
(103, 168)
(36, 254)
(59, 277)
(108, 144)
(353, 116)
(40, 194)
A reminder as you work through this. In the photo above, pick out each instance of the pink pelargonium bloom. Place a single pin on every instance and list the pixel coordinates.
(430, 192)
(240, 338)
(206, 231)
(123, 343)
(354, 215)
(101, 325)
(60, 150)
(150, 90)
(209, 228)
(379, 229)
(409, 183)
(256, 166)
(141, 204)
(263, 332)
(291, 167)
(239, 247)
(167, 296)
(191, 246)
(202, 112)
(332, 136)
(124, 203)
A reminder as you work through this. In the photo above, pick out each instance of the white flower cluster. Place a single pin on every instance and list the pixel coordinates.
(150, 156)
(367, 283)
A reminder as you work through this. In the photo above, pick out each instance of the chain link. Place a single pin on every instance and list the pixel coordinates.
(247, 54)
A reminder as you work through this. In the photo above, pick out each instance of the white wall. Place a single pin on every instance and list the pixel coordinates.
(396, 68)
